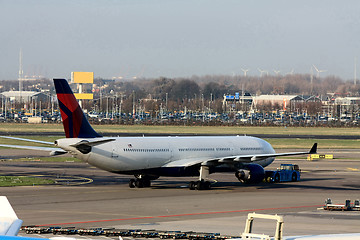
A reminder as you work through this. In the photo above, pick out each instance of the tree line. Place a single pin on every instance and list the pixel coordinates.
(198, 92)
(217, 85)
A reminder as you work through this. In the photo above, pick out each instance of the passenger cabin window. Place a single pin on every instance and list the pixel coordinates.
(146, 150)
(251, 149)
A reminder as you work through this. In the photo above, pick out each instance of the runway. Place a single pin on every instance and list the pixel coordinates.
(88, 197)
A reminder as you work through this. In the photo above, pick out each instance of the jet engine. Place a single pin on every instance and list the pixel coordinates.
(252, 173)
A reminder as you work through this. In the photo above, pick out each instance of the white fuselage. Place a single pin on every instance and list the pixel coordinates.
(126, 154)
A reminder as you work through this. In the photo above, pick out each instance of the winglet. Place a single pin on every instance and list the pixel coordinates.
(9, 222)
(313, 150)
(74, 120)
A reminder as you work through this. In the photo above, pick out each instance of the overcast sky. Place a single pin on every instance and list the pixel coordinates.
(178, 38)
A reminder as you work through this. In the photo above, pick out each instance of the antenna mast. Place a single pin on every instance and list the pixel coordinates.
(311, 79)
(21, 73)
(355, 71)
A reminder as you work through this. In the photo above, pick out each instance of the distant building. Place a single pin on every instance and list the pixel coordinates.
(232, 101)
(310, 98)
(246, 98)
(24, 96)
(347, 101)
(276, 99)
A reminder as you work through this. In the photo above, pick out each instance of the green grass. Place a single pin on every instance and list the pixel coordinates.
(118, 129)
(241, 130)
(9, 181)
(23, 127)
(286, 143)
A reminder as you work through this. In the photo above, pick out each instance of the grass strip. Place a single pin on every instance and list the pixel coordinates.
(10, 181)
(295, 143)
(181, 129)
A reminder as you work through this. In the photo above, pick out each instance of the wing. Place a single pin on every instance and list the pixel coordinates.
(232, 159)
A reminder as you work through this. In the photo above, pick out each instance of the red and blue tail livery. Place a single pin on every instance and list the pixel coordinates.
(74, 120)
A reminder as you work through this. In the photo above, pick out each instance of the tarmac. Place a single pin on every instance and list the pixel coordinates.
(85, 196)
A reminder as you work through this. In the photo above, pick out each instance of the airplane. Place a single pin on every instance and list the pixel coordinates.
(148, 158)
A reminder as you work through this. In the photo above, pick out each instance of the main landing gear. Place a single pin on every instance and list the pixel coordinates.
(142, 181)
(139, 183)
(201, 184)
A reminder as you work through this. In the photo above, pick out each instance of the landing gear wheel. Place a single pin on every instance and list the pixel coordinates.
(207, 185)
(132, 183)
(200, 185)
(146, 182)
(294, 177)
(139, 183)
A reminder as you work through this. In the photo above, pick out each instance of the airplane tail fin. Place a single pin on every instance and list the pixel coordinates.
(9, 222)
(75, 122)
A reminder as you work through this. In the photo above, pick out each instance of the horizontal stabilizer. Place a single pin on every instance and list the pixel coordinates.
(57, 153)
(84, 146)
(92, 143)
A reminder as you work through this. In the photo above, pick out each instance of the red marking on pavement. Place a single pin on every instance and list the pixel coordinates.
(181, 215)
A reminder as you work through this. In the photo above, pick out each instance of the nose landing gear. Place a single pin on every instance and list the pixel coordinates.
(201, 184)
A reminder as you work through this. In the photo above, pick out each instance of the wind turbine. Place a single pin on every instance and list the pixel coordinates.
(291, 72)
(318, 71)
(245, 71)
(262, 71)
(277, 72)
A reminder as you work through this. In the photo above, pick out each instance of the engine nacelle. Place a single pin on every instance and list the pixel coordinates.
(252, 173)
